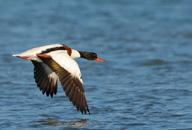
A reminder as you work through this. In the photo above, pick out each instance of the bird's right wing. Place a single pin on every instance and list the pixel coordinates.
(70, 77)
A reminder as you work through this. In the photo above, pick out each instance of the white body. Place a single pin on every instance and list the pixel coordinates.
(37, 50)
(59, 56)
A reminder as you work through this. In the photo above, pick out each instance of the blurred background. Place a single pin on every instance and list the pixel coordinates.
(145, 83)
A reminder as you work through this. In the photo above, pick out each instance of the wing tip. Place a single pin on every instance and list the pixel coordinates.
(84, 111)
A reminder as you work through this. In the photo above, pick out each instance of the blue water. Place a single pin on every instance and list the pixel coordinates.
(145, 83)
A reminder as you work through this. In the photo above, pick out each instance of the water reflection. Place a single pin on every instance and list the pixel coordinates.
(76, 123)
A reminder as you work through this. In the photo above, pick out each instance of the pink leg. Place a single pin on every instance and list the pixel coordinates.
(27, 57)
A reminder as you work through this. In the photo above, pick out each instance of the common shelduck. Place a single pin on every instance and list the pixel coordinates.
(56, 62)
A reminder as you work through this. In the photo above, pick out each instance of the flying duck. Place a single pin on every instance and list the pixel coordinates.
(56, 62)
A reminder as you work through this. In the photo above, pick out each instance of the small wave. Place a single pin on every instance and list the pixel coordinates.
(154, 62)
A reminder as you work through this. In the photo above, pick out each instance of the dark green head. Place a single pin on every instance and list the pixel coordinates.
(90, 56)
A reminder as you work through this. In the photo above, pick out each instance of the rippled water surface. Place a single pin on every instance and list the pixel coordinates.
(145, 83)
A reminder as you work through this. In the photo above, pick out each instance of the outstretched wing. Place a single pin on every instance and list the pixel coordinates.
(45, 78)
(70, 77)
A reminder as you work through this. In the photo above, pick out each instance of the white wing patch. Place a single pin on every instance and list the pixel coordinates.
(65, 61)
(50, 73)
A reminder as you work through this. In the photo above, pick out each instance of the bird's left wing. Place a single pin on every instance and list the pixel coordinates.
(45, 78)
(70, 77)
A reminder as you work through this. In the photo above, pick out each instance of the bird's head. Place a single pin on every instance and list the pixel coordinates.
(90, 56)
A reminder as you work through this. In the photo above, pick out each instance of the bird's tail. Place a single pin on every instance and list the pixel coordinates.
(23, 57)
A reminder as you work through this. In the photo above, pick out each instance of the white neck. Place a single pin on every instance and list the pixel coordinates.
(75, 54)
